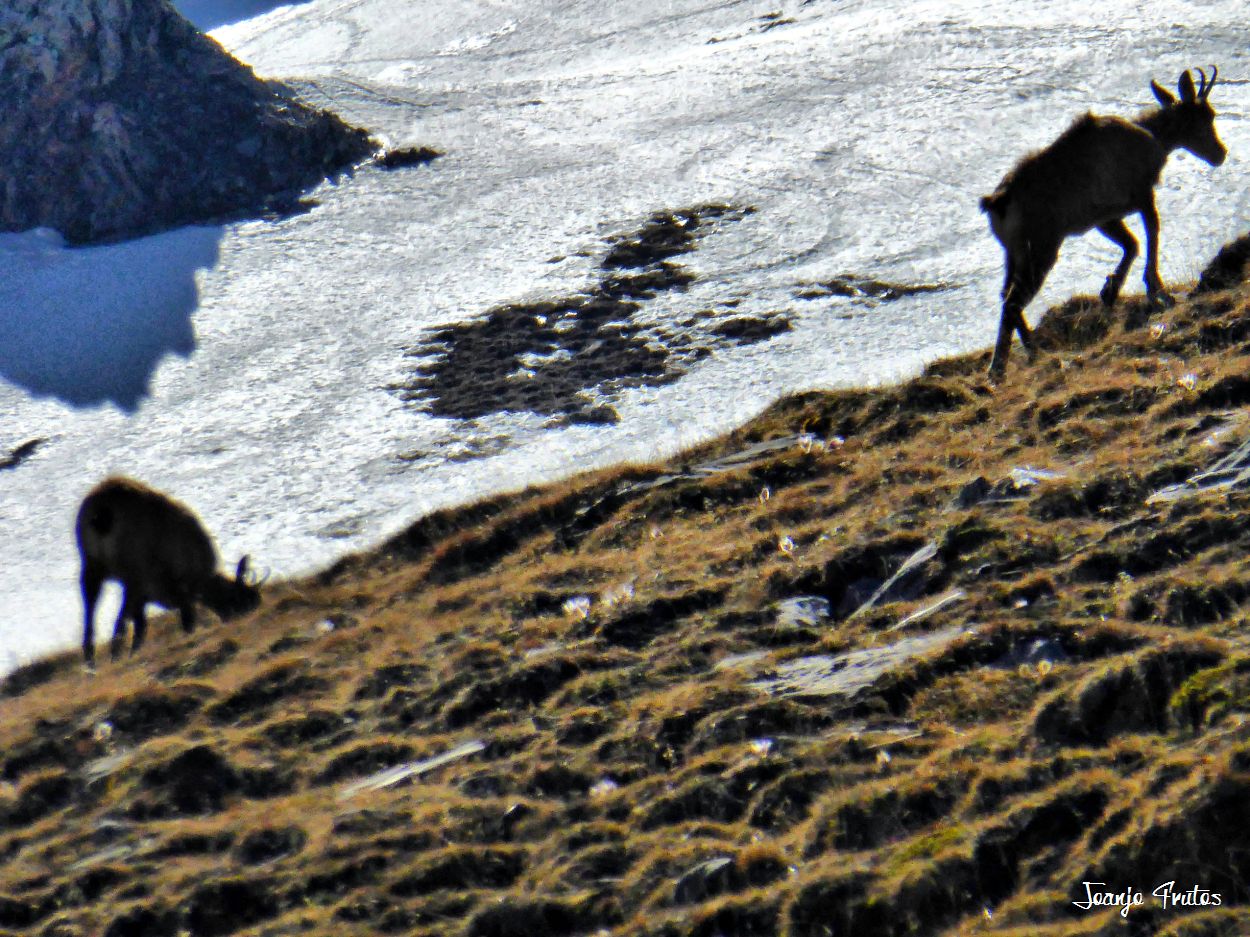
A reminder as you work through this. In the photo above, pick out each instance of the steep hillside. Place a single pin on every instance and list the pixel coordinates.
(916, 660)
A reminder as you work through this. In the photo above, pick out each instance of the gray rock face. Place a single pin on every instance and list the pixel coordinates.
(121, 118)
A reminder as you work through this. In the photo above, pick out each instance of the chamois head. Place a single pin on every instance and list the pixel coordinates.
(231, 597)
(1189, 123)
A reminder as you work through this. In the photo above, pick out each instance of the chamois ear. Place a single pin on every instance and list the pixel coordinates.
(1162, 94)
(240, 573)
(1186, 88)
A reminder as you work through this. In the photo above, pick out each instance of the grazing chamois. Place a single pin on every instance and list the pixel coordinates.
(159, 551)
(1100, 170)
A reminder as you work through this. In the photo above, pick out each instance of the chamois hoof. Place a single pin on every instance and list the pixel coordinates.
(1110, 292)
(1161, 299)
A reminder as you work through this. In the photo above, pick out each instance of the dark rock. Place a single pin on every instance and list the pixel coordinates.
(320, 726)
(153, 712)
(746, 330)
(460, 868)
(197, 781)
(384, 679)
(1127, 698)
(370, 822)
(219, 908)
(41, 797)
(364, 759)
(706, 880)
(254, 698)
(1227, 269)
(129, 120)
(195, 844)
(201, 664)
(19, 914)
(406, 156)
(144, 922)
(33, 674)
(20, 454)
(267, 845)
(525, 917)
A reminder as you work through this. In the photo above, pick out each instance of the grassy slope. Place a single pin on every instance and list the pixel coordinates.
(969, 790)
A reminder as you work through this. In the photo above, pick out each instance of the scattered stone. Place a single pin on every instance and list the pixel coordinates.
(745, 330)
(847, 674)
(858, 287)
(1034, 652)
(920, 614)
(392, 776)
(803, 611)
(1229, 471)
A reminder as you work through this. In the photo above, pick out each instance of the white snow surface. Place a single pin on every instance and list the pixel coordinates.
(246, 368)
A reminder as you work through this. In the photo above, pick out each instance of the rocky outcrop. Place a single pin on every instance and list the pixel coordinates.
(122, 119)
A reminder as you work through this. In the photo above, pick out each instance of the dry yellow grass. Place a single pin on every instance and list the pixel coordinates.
(1078, 715)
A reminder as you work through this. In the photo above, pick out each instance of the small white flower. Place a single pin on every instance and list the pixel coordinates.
(786, 546)
(1188, 381)
(603, 788)
(577, 607)
(765, 494)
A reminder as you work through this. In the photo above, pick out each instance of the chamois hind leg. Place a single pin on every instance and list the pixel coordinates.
(1155, 293)
(186, 614)
(90, 581)
(1024, 279)
(1118, 232)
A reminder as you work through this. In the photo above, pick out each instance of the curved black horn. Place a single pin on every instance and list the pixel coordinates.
(240, 572)
(1211, 84)
(1202, 84)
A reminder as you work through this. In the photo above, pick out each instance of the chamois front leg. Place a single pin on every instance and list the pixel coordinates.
(1118, 232)
(1156, 295)
(91, 581)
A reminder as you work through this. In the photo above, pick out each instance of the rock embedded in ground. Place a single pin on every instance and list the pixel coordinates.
(124, 119)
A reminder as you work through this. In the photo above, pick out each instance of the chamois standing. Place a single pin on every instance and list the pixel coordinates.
(159, 551)
(1100, 170)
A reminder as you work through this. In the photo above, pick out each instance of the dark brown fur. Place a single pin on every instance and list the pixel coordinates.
(1100, 170)
(159, 551)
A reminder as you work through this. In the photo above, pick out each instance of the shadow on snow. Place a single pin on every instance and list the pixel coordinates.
(90, 325)
(209, 14)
